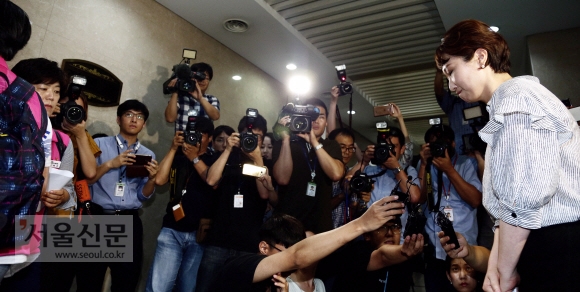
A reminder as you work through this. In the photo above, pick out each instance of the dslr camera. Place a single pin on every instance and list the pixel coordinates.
(184, 75)
(301, 117)
(361, 182)
(249, 140)
(71, 111)
(383, 149)
(191, 135)
(344, 87)
(439, 146)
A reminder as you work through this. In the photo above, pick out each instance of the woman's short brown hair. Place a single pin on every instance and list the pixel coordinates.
(464, 38)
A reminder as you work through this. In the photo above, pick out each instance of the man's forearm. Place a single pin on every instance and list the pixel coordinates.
(214, 174)
(164, 168)
(171, 109)
(477, 258)
(212, 112)
(148, 188)
(423, 178)
(101, 170)
(283, 166)
(466, 191)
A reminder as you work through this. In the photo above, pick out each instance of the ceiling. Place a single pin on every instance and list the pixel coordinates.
(387, 46)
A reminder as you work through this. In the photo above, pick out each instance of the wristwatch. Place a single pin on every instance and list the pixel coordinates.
(397, 170)
(195, 160)
(318, 146)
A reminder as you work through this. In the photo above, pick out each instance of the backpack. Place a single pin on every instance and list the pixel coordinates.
(21, 157)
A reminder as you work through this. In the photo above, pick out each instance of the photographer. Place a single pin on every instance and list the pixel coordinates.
(455, 190)
(182, 103)
(391, 175)
(240, 203)
(178, 252)
(305, 169)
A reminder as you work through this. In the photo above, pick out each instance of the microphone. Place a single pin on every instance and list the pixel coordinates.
(182, 71)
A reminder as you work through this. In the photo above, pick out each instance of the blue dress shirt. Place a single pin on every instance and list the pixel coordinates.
(103, 191)
(464, 216)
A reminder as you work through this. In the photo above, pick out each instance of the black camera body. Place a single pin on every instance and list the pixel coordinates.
(361, 182)
(383, 149)
(344, 88)
(301, 117)
(438, 148)
(71, 111)
(249, 140)
(184, 76)
(191, 135)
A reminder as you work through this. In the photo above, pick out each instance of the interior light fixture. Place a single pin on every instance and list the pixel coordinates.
(237, 77)
(494, 28)
(291, 66)
(299, 85)
(351, 112)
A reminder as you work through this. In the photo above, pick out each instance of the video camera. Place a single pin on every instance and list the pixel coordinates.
(383, 149)
(301, 117)
(344, 87)
(191, 135)
(70, 110)
(185, 77)
(249, 140)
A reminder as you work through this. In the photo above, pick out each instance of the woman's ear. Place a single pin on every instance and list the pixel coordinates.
(482, 56)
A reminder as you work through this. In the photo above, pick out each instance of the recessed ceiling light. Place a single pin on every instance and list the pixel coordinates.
(351, 112)
(291, 66)
(299, 85)
(237, 77)
(494, 28)
(236, 25)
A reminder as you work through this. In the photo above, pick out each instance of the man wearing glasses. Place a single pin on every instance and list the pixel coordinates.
(340, 201)
(390, 173)
(120, 194)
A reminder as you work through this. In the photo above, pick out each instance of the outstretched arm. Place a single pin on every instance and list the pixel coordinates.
(314, 248)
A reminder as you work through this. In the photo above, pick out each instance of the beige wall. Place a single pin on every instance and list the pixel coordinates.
(139, 41)
(554, 60)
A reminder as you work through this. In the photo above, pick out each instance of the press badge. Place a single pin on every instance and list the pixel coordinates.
(311, 189)
(55, 164)
(448, 213)
(239, 201)
(119, 189)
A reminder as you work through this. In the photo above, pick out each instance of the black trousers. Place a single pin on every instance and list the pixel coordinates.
(124, 276)
(550, 260)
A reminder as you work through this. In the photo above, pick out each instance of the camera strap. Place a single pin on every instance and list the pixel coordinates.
(429, 180)
(378, 174)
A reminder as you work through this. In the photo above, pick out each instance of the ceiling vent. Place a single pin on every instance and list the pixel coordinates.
(236, 25)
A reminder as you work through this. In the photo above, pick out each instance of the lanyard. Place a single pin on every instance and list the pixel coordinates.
(311, 166)
(448, 190)
(121, 146)
(386, 279)
(432, 206)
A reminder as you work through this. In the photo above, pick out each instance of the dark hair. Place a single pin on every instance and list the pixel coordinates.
(341, 131)
(204, 125)
(440, 131)
(15, 29)
(317, 102)
(464, 38)
(203, 67)
(40, 71)
(221, 129)
(259, 123)
(271, 136)
(394, 132)
(133, 104)
(282, 229)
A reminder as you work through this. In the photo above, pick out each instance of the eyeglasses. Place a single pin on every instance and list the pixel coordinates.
(351, 149)
(271, 245)
(395, 228)
(130, 115)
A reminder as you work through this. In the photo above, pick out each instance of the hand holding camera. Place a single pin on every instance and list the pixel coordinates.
(177, 140)
(76, 129)
(453, 251)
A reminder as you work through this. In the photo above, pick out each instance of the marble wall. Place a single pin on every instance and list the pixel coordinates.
(139, 41)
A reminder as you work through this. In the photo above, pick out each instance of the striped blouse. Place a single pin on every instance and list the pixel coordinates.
(532, 169)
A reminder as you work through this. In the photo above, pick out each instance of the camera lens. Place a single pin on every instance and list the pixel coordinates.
(249, 143)
(357, 184)
(300, 124)
(74, 114)
(191, 139)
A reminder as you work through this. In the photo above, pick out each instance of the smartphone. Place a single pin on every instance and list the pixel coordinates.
(253, 170)
(142, 159)
(383, 110)
(447, 228)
